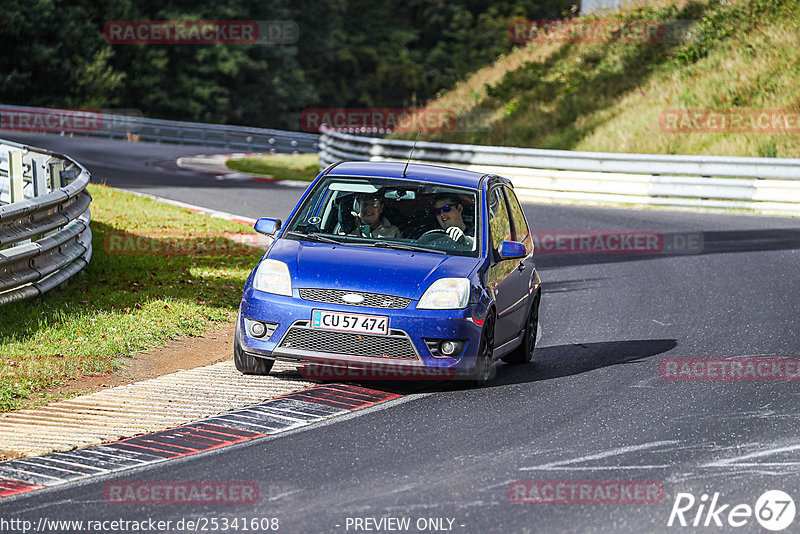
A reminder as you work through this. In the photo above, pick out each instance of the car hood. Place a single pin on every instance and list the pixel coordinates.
(375, 270)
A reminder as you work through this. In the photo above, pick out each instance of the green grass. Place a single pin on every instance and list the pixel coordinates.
(147, 282)
(303, 167)
(610, 96)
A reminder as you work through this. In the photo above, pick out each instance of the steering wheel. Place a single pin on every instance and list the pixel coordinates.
(433, 235)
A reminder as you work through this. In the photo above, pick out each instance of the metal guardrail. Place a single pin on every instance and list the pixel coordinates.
(763, 184)
(45, 237)
(133, 125)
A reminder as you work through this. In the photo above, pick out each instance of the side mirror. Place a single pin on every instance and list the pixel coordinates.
(267, 226)
(510, 250)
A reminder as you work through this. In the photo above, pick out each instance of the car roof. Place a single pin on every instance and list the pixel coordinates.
(425, 173)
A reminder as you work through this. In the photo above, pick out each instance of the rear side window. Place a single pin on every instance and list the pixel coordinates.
(520, 231)
(499, 223)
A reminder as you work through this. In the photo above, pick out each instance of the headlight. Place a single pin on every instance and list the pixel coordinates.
(273, 276)
(446, 294)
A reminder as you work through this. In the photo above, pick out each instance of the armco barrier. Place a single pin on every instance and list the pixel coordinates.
(44, 221)
(763, 184)
(134, 126)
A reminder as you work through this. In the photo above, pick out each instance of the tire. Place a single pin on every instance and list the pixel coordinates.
(483, 364)
(247, 364)
(524, 353)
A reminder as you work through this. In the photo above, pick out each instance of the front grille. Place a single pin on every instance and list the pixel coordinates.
(371, 300)
(397, 345)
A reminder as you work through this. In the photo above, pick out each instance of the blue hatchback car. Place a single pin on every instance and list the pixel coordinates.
(426, 269)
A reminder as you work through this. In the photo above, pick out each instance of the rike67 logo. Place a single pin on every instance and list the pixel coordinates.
(774, 510)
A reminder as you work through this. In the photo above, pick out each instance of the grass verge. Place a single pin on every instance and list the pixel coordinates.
(157, 272)
(740, 57)
(303, 167)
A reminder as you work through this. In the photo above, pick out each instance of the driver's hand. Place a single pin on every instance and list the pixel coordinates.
(455, 233)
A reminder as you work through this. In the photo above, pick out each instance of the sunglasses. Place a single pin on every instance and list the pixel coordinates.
(374, 203)
(443, 209)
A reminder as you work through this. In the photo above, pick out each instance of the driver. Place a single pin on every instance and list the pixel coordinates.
(448, 208)
(370, 211)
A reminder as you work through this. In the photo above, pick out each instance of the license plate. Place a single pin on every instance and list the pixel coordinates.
(350, 322)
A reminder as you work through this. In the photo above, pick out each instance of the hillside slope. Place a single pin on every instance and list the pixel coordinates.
(741, 58)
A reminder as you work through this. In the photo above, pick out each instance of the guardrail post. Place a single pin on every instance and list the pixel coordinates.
(39, 171)
(56, 180)
(16, 185)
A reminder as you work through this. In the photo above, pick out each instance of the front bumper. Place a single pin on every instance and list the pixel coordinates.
(293, 316)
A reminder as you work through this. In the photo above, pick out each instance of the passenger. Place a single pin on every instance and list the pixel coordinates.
(448, 209)
(370, 211)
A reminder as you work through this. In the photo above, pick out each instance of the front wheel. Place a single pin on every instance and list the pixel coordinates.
(483, 365)
(524, 353)
(246, 363)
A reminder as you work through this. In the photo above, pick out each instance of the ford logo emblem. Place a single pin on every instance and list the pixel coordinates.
(353, 298)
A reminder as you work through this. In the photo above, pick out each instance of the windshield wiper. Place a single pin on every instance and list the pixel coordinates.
(317, 237)
(402, 246)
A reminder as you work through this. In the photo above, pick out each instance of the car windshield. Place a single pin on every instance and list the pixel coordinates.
(389, 213)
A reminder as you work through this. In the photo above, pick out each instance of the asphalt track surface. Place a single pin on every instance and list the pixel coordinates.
(151, 168)
(592, 406)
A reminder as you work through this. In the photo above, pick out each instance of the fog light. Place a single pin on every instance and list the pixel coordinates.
(447, 348)
(257, 329)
